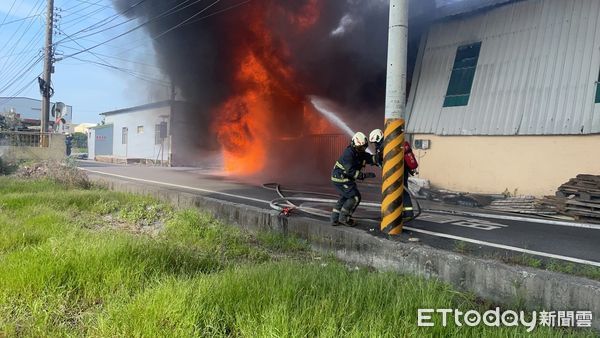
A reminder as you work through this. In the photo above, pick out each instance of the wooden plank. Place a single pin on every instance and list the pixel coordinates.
(584, 204)
(582, 211)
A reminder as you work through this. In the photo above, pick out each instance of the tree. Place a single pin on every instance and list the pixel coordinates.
(9, 121)
(79, 140)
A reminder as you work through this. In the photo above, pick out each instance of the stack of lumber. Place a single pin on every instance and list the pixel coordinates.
(522, 205)
(581, 197)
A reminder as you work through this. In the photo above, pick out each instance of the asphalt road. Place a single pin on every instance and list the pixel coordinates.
(485, 234)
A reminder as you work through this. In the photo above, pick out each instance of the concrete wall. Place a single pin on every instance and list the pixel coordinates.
(533, 165)
(55, 151)
(491, 280)
(139, 145)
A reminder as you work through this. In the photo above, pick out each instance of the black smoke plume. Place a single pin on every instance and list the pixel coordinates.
(341, 57)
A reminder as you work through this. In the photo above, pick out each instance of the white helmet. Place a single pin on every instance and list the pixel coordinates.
(359, 139)
(376, 136)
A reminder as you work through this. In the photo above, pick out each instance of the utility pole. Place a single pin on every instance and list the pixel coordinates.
(47, 75)
(392, 188)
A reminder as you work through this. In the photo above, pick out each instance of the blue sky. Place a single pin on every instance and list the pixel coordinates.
(78, 81)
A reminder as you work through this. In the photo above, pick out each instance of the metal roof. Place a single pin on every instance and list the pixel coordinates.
(536, 73)
(159, 104)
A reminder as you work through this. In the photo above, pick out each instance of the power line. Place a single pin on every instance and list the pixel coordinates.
(22, 73)
(80, 17)
(187, 20)
(119, 58)
(83, 2)
(11, 97)
(142, 25)
(128, 71)
(105, 63)
(189, 23)
(18, 20)
(14, 46)
(9, 11)
(33, 9)
(108, 20)
(13, 64)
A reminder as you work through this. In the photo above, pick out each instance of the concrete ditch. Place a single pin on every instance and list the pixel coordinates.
(497, 282)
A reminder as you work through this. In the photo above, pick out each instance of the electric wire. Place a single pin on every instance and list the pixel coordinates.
(9, 11)
(6, 67)
(19, 20)
(140, 42)
(28, 67)
(13, 96)
(25, 50)
(127, 71)
(32, 10)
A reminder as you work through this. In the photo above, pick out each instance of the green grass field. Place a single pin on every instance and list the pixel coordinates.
(97, 263)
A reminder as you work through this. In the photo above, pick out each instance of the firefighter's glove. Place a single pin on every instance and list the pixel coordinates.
(363, 176)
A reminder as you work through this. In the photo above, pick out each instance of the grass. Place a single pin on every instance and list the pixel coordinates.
(91, 262)
(581, 270)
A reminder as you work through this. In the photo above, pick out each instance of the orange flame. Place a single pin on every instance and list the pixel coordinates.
(264, 90)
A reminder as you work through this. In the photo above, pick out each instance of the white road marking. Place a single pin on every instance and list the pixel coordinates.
(505, 247)
(474, 223)
(469, 240)
(178, 186)
(517, 218)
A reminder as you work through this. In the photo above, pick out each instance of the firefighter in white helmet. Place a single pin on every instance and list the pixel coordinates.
(346, 172)
(376, 138)
(410, 168)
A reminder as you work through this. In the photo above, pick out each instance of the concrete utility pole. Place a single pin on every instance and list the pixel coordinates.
(392, 188)
(48, 65)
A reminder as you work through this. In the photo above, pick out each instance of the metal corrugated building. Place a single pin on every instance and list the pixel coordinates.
(536, 73)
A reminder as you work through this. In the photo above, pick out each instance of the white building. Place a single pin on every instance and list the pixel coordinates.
(145, 134)
(508, 97)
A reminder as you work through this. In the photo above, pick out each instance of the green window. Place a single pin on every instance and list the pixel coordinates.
(463, 73)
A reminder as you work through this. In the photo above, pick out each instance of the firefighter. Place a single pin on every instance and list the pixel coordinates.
(346, 171)
(376, 137)
(410, 168)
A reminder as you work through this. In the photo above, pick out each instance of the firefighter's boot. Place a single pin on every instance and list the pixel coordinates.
(345, 218)
(335, 217)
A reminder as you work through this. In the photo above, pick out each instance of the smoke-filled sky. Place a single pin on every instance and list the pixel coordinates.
(342, 56)
(248, 67)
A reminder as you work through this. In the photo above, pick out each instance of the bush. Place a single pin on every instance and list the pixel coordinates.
(7, 168)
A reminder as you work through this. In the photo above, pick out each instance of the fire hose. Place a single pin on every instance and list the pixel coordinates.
(284, 204)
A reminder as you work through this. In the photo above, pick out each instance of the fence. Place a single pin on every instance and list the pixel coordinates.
(32, 146)
(24, 139)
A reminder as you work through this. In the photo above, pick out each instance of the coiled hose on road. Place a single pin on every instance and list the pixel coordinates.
(285, 203)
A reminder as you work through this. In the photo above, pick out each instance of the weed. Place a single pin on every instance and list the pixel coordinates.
(461, 247)
(198, 277)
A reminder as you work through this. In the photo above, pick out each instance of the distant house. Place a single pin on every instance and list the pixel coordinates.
(29, 111)
(82, 127)
(506, 97)
(150, 133)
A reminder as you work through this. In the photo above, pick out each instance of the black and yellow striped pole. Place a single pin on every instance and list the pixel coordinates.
(392, 188)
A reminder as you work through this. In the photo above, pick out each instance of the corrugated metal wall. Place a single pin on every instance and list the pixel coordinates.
(536, 74)
(103, 144)
(326, 149)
